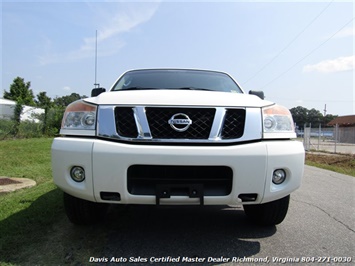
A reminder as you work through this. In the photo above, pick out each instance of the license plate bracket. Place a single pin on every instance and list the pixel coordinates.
(165, 191)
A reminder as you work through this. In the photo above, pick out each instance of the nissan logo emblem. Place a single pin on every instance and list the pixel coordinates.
(180, 122)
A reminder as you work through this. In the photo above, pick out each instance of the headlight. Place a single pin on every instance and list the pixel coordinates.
(79, 115)
(278, 122)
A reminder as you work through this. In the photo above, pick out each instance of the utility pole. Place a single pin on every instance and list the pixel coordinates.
(325, 113)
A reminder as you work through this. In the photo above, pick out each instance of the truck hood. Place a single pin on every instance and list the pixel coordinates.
(178, 98)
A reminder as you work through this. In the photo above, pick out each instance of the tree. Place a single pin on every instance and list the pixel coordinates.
(328, 118)
(20, 92)
(45, 102)
(68, 99)
(313, 117)
(299, 115)
(17, 118)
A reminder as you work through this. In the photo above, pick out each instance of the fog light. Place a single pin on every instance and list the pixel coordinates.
(278, 176)
(77, 173)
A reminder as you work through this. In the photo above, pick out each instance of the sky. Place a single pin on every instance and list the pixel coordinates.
(300, 53)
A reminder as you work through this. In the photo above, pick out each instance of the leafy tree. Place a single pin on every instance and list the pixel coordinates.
(17, 118)
(45, 102)
(328, 118)
(54, 119)
(299, 115)
(54, 108)
(313, 117)
(68, 99)
(20, 92)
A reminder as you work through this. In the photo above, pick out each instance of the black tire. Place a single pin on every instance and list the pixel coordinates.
(83, 212)
(270, 213)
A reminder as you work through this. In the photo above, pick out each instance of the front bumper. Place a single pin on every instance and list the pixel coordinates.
(106, 164)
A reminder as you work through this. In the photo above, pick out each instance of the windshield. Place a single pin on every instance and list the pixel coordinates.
(176, 79)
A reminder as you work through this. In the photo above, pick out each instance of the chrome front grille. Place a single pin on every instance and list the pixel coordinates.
(125, 123)
(151, 124)
(233, 126)
(202, 119)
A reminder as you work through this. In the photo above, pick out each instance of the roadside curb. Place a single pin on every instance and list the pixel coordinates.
(11, 184)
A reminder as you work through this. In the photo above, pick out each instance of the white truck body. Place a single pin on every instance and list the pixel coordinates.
(146, 167)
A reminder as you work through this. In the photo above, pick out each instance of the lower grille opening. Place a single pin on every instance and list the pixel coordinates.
(144, 179)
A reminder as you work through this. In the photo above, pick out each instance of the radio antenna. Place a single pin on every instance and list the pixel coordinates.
(97, 85)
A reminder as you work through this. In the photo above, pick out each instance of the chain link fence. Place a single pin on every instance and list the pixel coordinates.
(330, 139)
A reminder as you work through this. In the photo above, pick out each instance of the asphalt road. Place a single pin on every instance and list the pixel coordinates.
(319, 227)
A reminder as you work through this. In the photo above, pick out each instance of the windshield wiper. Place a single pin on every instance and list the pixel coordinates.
(137, 88)
(191, 88)
(182, 88)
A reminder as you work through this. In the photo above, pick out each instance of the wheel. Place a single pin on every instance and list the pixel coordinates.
(83, 212)
(270, 213)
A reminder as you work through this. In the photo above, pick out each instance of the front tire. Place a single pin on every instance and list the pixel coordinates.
(83, 212)
(270, 213)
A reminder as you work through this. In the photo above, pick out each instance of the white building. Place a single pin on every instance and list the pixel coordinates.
(7, 108)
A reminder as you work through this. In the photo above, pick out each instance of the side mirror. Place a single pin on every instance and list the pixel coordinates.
(97, 91)
(260, 94)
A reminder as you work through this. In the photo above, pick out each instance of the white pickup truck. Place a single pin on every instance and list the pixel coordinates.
(177, 137)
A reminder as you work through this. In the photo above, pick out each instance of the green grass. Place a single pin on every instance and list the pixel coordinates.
(346, 170)
(340, 163)
(23, 214)
(28, 158)
(33, 227)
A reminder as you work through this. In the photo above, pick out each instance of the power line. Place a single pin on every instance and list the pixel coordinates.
(304, 57)
(289, 44)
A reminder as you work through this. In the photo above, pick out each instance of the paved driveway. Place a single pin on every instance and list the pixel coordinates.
(320, 223)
